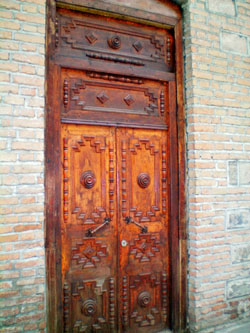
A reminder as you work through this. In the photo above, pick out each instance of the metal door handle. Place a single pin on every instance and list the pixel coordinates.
(90, 232)
(144, 229)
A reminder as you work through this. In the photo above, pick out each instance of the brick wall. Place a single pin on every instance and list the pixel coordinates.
(217, 62)
(22, 269)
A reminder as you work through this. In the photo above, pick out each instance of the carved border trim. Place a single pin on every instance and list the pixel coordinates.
(164, 179)
(164, 297)
(124, 302)
(65, 180)
(124, 191)
(112, 302)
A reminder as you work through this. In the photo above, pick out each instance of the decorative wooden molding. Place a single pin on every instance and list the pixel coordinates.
(162, 103)
(164, 297)
(144, 247)
(65, 93)
(144, 299)
(122, 60)
(124, 171)
(164, 178)
(66, 307)
(169, 51)
(111, 181)
(65, 180)
(56, 32)
(112, 302)
(124, 302)
(113, 77)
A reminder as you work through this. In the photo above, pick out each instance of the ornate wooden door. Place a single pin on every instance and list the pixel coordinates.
(111, 247)
(114, 233)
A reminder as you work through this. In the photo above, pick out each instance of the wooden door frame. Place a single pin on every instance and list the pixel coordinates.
(178, 233)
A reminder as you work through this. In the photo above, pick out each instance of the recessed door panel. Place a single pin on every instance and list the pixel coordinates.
(88, 228)
(143, 229)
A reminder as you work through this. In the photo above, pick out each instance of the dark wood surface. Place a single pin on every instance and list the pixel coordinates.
(115, 244)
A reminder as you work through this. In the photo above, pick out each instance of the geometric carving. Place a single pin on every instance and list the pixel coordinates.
(152, 107)
(114, 42)
(88, 252)
(111, 181)
(66, 300)
(144, 247)
(143, 180)
(136, 146)
(89, 307)
(91, 37)
(143, 299)
(129, 99)
(137, 45)
(102, 97)
(88, 179)
(158, 43)
(75, 93)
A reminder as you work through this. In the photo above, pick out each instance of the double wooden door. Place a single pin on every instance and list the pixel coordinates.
(115, 263)
(111, 175)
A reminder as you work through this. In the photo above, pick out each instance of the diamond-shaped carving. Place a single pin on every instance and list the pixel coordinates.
(144, 247)
(137, 45)
(89, 253)
(91, 37)
(102, 97)
(129, 99)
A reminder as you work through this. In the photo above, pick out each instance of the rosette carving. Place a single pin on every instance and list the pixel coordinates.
(114, 42)
(143, 180)
(144, 299)
(89, 307)
(88, 179)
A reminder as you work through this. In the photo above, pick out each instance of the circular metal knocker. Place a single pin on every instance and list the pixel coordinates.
(143, 180)
(114, 42)
(89, 307)
(88, 179)
(144, 299)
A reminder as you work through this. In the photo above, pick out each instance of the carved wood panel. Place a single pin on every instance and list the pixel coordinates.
(143, 229)
(98, 39)
(89, 228)
(95, 97)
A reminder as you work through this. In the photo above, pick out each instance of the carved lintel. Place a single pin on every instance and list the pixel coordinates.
(114, 58)
(112, 302)
(124, 302)
(114, 77)
(65, 180)
(162, 103)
